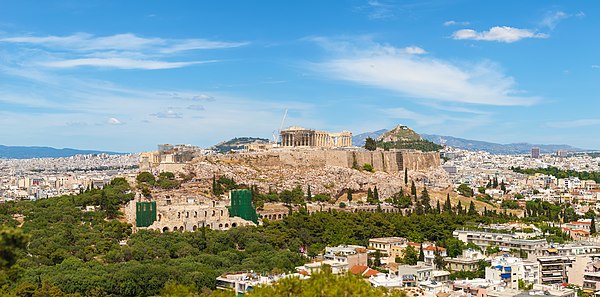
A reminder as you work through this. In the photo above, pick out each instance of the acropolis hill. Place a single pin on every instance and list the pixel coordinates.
(386, 161)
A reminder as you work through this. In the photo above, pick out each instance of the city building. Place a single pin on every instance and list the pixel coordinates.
(511, 270)
(504, 241)
(553, 270)
(535, 153)
(468, 261)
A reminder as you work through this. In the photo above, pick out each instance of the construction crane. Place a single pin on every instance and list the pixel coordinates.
(277, 133)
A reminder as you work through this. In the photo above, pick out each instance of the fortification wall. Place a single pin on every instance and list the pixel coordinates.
(391, 162)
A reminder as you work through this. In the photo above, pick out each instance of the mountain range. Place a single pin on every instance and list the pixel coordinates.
(27, 152)
(476, 145)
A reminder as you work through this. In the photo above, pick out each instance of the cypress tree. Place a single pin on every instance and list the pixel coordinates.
(448, 204)
(308, 194)
(472, 210)
(438, 209)
(349, 195)
(375, 194)
(406, 176)
(421, 253)
(369, 194)
(413, 189)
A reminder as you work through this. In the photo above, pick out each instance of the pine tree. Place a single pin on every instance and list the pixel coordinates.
(370, 144)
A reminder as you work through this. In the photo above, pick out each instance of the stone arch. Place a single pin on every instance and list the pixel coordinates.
(233, 224)
(159, 217)
(181, 228)
(179, 215)
(221, 212)
(187, 214)
(220, 226)
(214, 212)
(175, 229)
(279, 216)
(195, 214)
(194, 228)
(226, 225)
(205, 213)
(165, 229)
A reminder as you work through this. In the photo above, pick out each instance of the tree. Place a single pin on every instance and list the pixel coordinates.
(448, 204)
(472, 210)
(410, 256)
(375, 194)
(369, 194)
(413, 189)
(11, 242)
(593, 226)
(421, 253)
(368, 167)
(465, 190)
(438, 260)
(308, 194)
(145, 177)
(425, 201)
(406, 176)
(438, 208)
(370, 144)
(349, 195)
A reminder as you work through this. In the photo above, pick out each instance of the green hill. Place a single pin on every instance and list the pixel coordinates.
(402, 137)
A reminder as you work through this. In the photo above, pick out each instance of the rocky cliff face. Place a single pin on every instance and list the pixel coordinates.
(268, 171)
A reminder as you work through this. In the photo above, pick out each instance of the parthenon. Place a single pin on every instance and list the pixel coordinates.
(298, 136)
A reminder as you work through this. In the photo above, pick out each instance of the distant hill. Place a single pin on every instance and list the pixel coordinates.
(403, 137)
(359, 139)
(237, 143)
(496, 148)
(28, 152)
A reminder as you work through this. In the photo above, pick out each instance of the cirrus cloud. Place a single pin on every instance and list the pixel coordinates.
(424, 78)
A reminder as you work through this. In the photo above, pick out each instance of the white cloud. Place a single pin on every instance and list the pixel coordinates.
(379, 10)
(453, 23)
(419, 119)
(120, 51)
(500, 34)
(553, 18)
(420, 78)
(574, 124)
(120, 63)
(596, 66)
(169, 114)
(196, 107)
(414, 50)
(120, 42)
(114, 121)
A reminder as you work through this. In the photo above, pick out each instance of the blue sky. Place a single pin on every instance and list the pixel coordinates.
(126, 75)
